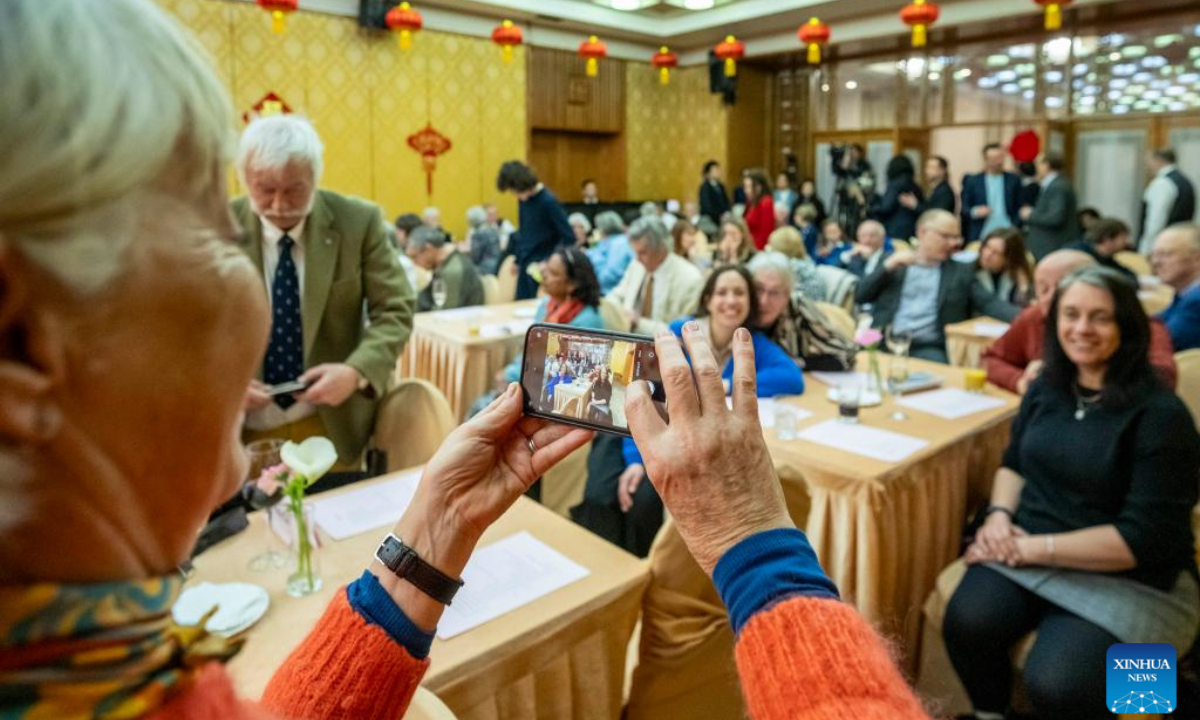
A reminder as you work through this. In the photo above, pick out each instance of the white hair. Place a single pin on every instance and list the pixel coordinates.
(269, 143)
(580, 219)
(103, 100)
(775, 262)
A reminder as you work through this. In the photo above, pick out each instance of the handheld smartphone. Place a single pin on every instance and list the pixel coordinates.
(286, 388)
(579, 377)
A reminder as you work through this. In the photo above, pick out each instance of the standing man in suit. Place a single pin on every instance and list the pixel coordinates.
(1054, 220)
(714, 200)
(542, 222)
(324, 257)
(989, 199)
(1170, 198)
(924, 291)
(659, 285)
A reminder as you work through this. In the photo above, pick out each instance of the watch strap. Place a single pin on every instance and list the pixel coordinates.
(406, 564)
(999, 508)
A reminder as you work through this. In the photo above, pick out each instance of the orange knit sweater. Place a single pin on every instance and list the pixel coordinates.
(805, 658)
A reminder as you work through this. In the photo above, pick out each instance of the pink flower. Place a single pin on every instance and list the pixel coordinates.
(269, 482)
(868, 337)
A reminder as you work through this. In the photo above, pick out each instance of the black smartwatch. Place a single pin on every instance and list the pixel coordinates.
(999, 508)
(407, 565)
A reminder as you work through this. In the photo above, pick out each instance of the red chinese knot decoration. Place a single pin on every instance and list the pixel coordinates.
(593, 51)
(404, 21)
(430, 144)
(507, 36)
(1054, 10)
(278, 10)
(268, 105)
(814, 34)
(664, 60)
(730, 50)
(920, 14)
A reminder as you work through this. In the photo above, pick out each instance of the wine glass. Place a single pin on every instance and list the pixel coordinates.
(439, 292)
(899, 342)
(264, 454)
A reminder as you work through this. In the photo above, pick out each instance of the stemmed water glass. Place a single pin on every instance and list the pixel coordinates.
(439, 292)
(899, 342)
(263, 454)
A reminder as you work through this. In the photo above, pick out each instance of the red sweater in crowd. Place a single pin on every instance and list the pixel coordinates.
(1008, 357)
(760, 218)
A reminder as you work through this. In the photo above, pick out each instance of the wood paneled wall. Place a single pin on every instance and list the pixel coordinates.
(564, 160)
(749, 124)
(563, 97)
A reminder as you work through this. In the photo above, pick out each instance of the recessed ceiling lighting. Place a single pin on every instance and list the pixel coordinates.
(825, 87)
(1119, 82)
(1142, 105)
(1120, 109)
(1002, 60)
(1114, 94)
(1054, 76)
(1006, 76)
(851, 85)
(1026, 82)
(1025, 68)
(1143, 77)
(1079, 69)
(1028, 94)
(1176, 91)
(1124, 69)
(1133, 51)
(1154, 61)
(1054, 102)
(962, 74)
(988, 82)
(1189, 78)
(1135, 89)
(1152, 95)
(1115, 56)
(1010, 88)
(1177, 106)
(1022, 51)
(626, 4)
(1163, 41)
(935, 76)
(698, 4)
(1087, 100)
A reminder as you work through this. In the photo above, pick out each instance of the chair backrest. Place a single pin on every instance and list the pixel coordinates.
(491, 289)
(839, 285)
(838, 317)
(1134, 261)
(1155, 301)
(412, 421)
(427, 706)
(973, 246)
(898, 245)
(612, 316)
(571, 408)
(1187, 364)
(507, 280)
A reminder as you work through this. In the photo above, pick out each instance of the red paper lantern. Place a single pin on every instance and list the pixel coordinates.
(593, 50)
(268, 105)
(664, 60)
(507, 36)
(404, 21)
(814, 34)
(730, 50)
(920, 14)
(278, 10)
(1025, 146)
(1054, 10)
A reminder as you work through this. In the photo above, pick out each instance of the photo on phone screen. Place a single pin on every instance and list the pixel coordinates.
(580, 376)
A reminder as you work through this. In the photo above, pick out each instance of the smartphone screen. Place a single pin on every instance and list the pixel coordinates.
(580, 377)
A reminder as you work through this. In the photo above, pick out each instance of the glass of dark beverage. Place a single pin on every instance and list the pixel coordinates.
(848, 398)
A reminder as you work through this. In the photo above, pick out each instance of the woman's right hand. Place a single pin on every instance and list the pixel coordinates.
(628, 484)
(996, 538)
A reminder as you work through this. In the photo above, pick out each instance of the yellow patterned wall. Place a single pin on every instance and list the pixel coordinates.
(365, 97)
(671, 131)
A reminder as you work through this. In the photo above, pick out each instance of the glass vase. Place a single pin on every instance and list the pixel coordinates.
(874, 384)
(305, 578)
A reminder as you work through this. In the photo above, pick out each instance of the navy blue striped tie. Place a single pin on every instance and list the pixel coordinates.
(285, 354)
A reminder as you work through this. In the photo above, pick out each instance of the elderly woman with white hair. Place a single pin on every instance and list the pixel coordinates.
(793, 321)
(482, 244)
(612, 255)
(582, 227)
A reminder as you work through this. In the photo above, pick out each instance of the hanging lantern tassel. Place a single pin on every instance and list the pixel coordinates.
(920, 14)
(731, 51)
(278, 10)
(592, 50)
(593, 67)
(405, 21)
(664, 60)
(918, 38)
(507, 35)
(278, 22)
(814, 54)
(405, 39)
(814, 34)
(1053, 16)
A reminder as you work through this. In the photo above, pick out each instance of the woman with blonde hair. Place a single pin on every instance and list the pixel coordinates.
(787, 242)
(736, 246)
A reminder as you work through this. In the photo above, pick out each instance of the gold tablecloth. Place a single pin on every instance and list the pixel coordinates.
(462, 364)
(562, 656)
(965, 346)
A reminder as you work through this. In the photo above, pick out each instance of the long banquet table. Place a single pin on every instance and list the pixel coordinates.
(562, 656)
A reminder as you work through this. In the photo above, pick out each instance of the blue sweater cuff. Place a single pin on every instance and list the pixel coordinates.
(369, 599)
(766, 568)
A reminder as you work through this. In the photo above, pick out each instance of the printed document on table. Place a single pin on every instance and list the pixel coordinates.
(375, 506)
(951, 403)
(990, 329)
(837, 379)
(767, 408)
(504, 576)
(862, 440)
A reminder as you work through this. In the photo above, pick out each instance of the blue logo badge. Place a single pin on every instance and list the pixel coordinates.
(1141, 678)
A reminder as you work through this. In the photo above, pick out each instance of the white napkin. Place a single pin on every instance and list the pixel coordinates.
(239, 605)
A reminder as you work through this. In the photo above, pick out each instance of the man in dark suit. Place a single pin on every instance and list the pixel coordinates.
(714, 200)
(324, 257)
(924, 291)
(989, 199)
(1054, 220)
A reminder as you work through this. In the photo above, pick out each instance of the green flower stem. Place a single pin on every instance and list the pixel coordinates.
(294, 490)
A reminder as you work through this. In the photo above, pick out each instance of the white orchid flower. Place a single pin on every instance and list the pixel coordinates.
(311, 458)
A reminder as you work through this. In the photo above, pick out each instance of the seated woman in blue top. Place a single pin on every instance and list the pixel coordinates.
(728, 302)
(572, 297)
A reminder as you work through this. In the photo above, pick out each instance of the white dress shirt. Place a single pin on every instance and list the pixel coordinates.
(1159, 198)
(677, 286)
(273, 416)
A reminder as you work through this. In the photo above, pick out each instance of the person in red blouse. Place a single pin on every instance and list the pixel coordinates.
(1015, 359)
(760, 208)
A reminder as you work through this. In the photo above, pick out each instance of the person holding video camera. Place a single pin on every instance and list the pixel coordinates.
(855, 187)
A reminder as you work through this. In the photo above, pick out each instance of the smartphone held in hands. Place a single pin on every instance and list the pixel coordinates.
(580, 377)
(286, 388)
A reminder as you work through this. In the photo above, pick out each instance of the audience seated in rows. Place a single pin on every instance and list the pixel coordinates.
(786, 241)
(924, 291)
(736, 245)
(831, 245)
(1107, 237)
(1014, 360)
(482, 243)
(1176, 261)
(1088, 539)
(793, 321)
(659, 285)
(808, 196)
(612, 254)
(804, 219)
(691, 243)
(401, 229)
(871, 248)
(431, 249)
(1003, 267)
(582, 227)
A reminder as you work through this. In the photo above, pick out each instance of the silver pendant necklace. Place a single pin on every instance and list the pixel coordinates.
(1082, 404)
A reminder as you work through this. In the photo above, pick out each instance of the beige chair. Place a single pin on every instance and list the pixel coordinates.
(1156, 299)
(1135, 262)
(571, 408)
(427, 706)
(1187, 364)
(491, 289)
(972, 246)
(612, 316)
(563, 485)
(506, 280)
(898, 245)
(839, 286)
(841, 320)
(412, 421)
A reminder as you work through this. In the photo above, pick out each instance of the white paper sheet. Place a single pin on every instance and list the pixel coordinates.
(504, 329)
(837, 379)
(462, 313)
(357, 511)
(525, 312)
(504, 576)
(767, 409)
(862, 440)
(990, 329)
(950, 403)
